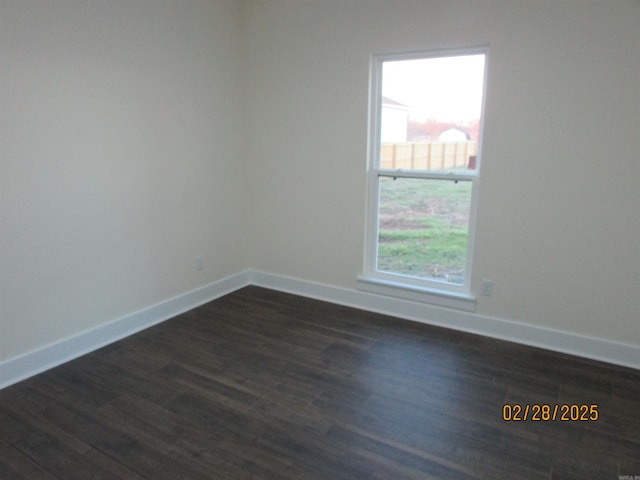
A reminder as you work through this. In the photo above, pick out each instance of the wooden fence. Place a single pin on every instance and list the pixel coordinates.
(429, 155)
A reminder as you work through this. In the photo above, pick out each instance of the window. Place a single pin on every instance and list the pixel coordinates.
(425, 131)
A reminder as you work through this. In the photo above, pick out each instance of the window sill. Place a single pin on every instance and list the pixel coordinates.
(433, 296)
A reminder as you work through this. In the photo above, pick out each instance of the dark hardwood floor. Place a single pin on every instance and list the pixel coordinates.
(262, 384)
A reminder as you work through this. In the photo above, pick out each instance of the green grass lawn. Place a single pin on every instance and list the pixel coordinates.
(423, 227)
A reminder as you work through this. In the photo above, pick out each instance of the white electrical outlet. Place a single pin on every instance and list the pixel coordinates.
(486, 287)
(200, 262)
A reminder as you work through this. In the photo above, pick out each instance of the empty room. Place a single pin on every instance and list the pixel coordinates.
(319, 239)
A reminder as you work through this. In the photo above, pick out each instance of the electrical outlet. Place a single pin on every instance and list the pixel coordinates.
(200, 262)
(486, 287)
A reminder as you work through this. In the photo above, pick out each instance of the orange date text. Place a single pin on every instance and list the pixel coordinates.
(550, 412)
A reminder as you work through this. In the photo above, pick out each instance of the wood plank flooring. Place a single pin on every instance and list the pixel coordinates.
(262, 384)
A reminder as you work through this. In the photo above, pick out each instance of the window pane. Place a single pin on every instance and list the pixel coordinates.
(430, 113)
(423, 228)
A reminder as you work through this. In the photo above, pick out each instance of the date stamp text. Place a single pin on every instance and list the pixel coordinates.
(550, 412)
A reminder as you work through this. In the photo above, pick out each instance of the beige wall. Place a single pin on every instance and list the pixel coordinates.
(558, 223)
(137, 135)
(119, 159)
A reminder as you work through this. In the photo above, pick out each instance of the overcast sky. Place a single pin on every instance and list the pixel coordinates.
(447, 88)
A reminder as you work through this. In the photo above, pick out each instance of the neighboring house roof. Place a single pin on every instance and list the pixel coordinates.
(454, 135)
(391, 102)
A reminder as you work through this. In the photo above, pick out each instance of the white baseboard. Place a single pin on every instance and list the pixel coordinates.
(37, 361)
(550, 339)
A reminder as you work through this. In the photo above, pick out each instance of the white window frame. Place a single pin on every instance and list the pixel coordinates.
(404, 286)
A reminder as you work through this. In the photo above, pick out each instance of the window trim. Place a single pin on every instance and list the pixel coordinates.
(404, 286)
